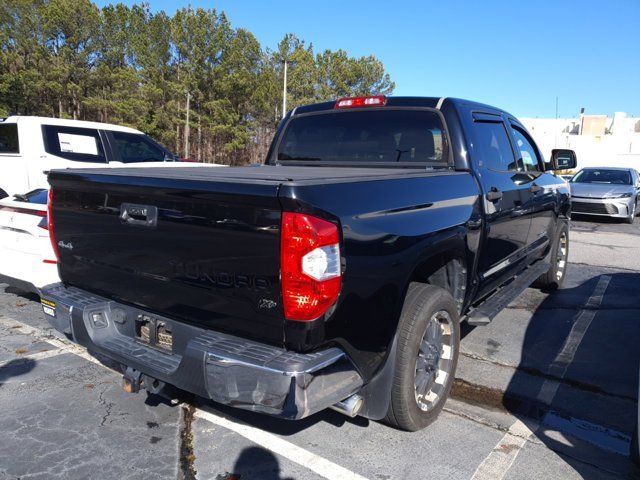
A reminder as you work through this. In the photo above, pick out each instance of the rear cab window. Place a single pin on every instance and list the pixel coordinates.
(73, 143)
(384, 136)
(9, 142)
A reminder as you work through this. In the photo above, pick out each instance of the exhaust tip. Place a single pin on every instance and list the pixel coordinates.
(350, 406)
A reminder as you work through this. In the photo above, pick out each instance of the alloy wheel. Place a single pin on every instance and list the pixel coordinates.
(561, 255)
(434, 362)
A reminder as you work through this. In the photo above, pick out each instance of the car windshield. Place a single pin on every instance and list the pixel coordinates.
(615, 177)
(365, 136)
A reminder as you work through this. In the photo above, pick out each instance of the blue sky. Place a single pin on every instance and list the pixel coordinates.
(513, 54)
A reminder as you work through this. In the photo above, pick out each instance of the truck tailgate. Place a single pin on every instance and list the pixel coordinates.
(206, 252)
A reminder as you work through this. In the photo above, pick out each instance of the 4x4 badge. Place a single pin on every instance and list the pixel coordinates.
(67, 246)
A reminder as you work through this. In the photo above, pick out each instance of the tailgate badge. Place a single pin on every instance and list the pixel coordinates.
(66, 246)
(266, 303)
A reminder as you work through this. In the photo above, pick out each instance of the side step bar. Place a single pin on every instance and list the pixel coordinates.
(493, 305)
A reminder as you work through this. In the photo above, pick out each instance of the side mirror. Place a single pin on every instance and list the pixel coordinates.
(562, 159)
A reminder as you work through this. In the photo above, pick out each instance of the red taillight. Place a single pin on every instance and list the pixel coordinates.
(352, 102)
(52, 236)
(310, 266)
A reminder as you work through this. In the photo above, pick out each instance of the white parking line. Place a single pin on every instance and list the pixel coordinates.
(558, 368)
(499, 461)
(277, 445)
(34, 356)
(69, 347)
(271, 442)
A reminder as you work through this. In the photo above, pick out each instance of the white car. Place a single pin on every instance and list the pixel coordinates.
(27, 258)
(30, 146)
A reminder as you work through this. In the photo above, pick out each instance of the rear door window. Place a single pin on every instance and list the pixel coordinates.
(390, 136)
(9, 138)
(74, 143)
(136, 148)
(493, 147)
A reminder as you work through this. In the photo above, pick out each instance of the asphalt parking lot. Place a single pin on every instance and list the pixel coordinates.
(547, 390)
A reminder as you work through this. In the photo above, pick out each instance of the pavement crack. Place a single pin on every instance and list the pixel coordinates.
(107, 406)
(186, 467)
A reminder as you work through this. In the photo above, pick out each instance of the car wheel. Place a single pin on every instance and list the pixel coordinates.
(427, 355)
(632, 217)
(554, 277)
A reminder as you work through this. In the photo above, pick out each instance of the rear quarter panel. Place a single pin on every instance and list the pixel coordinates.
(389, 227)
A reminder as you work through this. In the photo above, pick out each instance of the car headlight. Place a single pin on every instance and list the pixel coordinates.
(621, 195)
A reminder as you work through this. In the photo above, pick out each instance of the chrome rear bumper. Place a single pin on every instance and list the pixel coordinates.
(227, 369)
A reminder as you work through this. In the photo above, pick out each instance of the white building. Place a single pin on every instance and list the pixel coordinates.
(597, 139)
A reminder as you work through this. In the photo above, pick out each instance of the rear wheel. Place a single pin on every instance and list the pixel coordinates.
(554, 277)
(427, 356)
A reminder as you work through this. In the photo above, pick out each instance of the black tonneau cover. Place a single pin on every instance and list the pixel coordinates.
(258, 174)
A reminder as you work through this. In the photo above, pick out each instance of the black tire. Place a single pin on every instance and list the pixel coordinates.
(3, 194)
(632, 217)
(554, 277)
(424, 306)
(635, 450)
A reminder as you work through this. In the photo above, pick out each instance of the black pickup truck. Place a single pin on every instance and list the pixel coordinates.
(334, 275)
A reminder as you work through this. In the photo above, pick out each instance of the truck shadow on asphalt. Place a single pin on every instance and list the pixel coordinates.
(280, 426)
(578, 374)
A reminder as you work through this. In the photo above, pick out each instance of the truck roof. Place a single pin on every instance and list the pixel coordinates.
(34, 120)
(425, 102)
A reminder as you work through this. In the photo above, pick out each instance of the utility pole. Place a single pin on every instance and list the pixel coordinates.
(186, 128)
(284, 90)
(555, 129)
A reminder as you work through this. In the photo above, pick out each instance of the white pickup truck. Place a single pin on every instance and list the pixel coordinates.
(29, 146)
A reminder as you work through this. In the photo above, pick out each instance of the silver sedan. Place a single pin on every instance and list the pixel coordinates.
(607, 191)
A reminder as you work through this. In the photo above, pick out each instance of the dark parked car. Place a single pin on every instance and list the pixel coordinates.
(335, 275)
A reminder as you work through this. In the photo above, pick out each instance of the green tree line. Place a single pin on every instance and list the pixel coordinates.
(192, 81)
